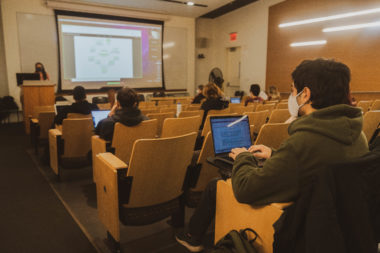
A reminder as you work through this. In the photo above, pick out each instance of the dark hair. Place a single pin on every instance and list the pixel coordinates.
(255, 89)
(79, 93)
(211, 91)
(44, 75)
(200, 87)
(219, 81)
(327, 80)
(127, 97)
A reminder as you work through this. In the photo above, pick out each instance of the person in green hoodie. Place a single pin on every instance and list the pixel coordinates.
(328, 129)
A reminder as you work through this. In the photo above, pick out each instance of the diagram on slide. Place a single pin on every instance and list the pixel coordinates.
(100, 58)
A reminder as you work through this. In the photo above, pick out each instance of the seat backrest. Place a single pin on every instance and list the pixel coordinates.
(272, 135)
(194, 107)
(146, 111)
(180, 126)
(45, 121)
(147, 104)
(160, 117)
(282, 105)
(279, 116)
(173, 110)
(375, 106)
(42, 108)
(158, 168)
(124, 137)
(264, 107)
(76, 134)
(166, 102)
(242, 109)
(365, 105)
(371, 120)
(207, 126)
(184, 101)
(215, 112)
(78, 116)
(183, 114)
(257, 119)
(104, 106)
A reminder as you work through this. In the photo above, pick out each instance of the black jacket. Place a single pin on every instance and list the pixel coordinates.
(198, 98)
(212, 104)
(128, 116)
(83, 107)
(338, 211)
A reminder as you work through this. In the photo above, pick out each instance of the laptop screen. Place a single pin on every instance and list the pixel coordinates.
(98, 115)
(230, 132)
(235, 100)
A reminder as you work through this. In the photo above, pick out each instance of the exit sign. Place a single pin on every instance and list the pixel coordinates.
(233, 36)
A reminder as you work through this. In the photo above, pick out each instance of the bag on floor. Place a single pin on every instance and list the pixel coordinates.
(236, 242)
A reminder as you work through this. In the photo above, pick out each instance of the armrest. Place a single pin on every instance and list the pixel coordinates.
(230, 214)
(54, 137)
(107, 192)
(98, 145)
(34, 121)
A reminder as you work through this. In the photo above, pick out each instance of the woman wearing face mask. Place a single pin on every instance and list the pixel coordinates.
(41, 70)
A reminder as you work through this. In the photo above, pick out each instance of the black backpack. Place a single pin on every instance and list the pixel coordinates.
(236, 242)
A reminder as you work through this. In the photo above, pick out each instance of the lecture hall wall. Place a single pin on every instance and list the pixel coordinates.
(359, 49)
(10, 8)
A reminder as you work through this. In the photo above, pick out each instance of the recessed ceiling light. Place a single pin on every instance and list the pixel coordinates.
(190, 3)
(350, 27)
(338, 16)
(308, 43)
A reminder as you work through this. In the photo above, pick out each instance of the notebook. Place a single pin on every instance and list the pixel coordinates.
(229, 132)
(235, 100)
(98, 115)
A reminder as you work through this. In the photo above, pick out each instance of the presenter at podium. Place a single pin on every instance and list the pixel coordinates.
(40, 69)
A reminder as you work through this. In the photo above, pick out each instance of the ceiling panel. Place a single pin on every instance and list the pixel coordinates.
(165, 7)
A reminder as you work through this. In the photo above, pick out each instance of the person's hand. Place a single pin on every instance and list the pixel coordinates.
(261, 151)
(113, 110)
(236, 151)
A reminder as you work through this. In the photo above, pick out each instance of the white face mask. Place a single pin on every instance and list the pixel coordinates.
(293, 106)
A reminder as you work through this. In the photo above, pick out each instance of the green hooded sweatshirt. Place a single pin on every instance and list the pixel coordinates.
(331, 134)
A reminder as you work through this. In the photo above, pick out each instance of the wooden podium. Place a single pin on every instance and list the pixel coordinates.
(36, 93)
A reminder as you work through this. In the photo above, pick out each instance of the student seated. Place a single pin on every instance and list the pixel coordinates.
(328, 130)
(214, 100)
(81, 105)
(254, 97)
(125, 111)
(273, 93)
(198, 98)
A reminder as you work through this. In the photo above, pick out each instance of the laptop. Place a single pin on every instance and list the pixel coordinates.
(235, 100)
(229, 132)
(60, 107)
(98, 115)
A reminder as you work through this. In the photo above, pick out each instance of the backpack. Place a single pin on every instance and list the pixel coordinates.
(236, 242)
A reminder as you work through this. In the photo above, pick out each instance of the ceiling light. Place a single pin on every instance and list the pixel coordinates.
(338, 16)
(351, 27)
(190, 3)
(308, 43)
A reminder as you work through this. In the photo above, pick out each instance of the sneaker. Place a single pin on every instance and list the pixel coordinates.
(188, 242)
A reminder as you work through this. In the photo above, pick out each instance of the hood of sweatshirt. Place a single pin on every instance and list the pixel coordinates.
(342, 123)
(129, 116)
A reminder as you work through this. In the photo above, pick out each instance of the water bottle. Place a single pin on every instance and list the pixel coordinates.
(179, 108)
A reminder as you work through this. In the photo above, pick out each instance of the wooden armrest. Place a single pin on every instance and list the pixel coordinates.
(230, 214)
(34, 121)
(53, 149)
(98, 145)
(107, 192)
(55, 132)
(58, 127)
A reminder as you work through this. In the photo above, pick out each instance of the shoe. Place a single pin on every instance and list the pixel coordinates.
(188, 242)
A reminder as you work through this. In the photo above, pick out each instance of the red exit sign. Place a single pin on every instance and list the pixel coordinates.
(233, 36)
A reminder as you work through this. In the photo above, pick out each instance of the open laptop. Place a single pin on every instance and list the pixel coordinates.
(235, 100)
(60, 107)
(229, 132)
(98, 115)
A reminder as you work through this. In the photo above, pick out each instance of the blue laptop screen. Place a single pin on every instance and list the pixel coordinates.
(229, 133)
(235, 100)
(99, 115)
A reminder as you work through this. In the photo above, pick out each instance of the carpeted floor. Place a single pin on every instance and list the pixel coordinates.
(32, 218)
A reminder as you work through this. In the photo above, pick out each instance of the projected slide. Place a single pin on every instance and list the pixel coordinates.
(97, 52)
(103, 59)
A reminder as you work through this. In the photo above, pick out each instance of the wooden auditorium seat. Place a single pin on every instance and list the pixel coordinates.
(242, 109)
(104, 106)
(143, 104)
(160, 117)
(39, 128)
(371, 120)
(230, 214)
(165, 102)
(273, 134)
(146, 190)
(72, 144)
(169, 109)
(207, 127)
(194, 107)
(122, 142)
(78, 116)
(375, 106)
(282, 105)
(257, 119)
(183, 114)
(146, 111)
(263, 107)
(279, 116)
(180, 126)
(364, 105)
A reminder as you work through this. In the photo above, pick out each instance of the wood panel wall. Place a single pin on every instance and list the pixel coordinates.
(358, 49)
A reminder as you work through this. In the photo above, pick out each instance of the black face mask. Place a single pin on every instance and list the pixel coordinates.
(38, 69)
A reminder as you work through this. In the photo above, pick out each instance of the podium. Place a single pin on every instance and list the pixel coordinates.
(36, 93)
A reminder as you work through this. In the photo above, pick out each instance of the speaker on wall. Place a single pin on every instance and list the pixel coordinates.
(202, 43)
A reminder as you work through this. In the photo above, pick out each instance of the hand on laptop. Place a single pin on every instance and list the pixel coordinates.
(260, 151)
(113, 110)
(236, 151)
